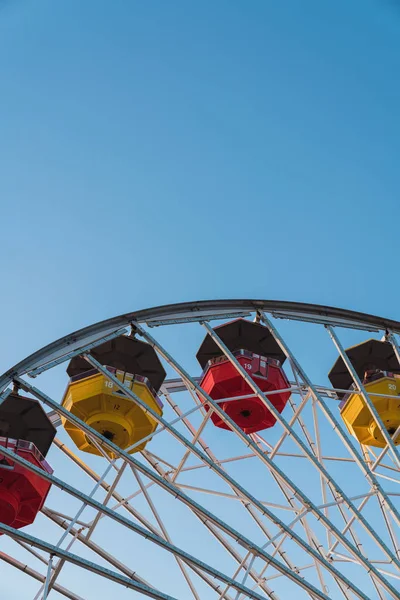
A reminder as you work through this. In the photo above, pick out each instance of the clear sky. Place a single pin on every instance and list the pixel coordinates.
(158, 151)
(155, 152)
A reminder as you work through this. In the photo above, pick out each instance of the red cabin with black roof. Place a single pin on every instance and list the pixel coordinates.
(260, 355)
(26, 430)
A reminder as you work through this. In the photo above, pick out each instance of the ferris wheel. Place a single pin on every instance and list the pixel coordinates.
(224, 449)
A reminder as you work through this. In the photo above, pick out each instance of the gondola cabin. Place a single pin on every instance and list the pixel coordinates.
(102, 405)
(26, 430)
(259, 354)
(378, 368)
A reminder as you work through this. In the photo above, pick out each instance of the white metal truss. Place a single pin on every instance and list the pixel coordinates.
(300, 510)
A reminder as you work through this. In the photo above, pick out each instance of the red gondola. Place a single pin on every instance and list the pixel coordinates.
(22, 493)
(260, 355)
(26, 430)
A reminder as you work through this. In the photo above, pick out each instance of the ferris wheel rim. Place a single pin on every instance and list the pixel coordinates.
(195, 311)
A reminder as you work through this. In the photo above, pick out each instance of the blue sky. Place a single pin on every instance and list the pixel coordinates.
(155, 152)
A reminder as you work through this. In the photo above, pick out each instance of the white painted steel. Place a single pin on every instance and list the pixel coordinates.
(325, 537)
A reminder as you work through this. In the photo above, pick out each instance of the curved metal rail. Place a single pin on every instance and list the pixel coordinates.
(193, 311)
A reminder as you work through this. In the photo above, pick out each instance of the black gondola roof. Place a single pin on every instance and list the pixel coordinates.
(241, 334)
(126, 354)
(23, 418)
(372, 354)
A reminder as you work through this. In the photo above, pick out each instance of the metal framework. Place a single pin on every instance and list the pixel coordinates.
(301, 510)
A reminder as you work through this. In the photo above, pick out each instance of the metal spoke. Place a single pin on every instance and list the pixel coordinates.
(147, 535)
(90, 566)
(331, 418)
(38, 576)
(283, 512)
(298, 492)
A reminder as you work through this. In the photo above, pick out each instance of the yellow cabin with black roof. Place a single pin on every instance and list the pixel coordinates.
(101, 403)
(378, 369)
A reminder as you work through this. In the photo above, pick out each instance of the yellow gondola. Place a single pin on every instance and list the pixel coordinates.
(378, 368)
(102, 405)
(358, 418)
